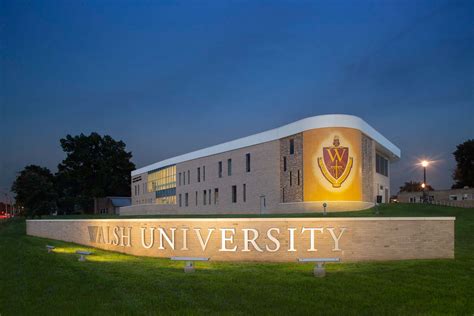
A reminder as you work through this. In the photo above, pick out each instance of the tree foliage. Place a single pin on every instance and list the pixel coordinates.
(464, 172)
(414, 186)
(95, 166)
(34, 189)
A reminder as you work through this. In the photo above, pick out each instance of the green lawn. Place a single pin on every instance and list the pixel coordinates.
(35, 282)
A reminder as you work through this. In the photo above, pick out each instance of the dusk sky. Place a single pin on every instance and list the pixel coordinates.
(171, 77)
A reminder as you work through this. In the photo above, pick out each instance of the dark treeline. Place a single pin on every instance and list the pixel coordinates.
(464, 172)
(95, 166)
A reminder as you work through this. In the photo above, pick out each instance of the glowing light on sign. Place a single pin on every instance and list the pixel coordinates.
(252, 238)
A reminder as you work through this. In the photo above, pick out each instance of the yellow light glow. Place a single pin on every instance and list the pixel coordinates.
(423, 185)
(425, 163)
(317, 186)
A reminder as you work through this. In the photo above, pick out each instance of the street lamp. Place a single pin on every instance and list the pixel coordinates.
(424, 164)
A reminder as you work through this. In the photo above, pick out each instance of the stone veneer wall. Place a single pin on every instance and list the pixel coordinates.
(294, 164)
(359, 239)
(368, 168)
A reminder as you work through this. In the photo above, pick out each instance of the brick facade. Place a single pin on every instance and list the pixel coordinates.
(291, 169)
(261, 181)
(368, 168)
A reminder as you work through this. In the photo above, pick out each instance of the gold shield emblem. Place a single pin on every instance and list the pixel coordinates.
(335, 164)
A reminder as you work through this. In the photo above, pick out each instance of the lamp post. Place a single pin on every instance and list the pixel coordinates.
(424, 164)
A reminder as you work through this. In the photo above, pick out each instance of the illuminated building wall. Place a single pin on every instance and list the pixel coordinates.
(335, 159)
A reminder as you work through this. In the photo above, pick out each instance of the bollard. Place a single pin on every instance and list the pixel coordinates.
(319, 270)
(189, 267)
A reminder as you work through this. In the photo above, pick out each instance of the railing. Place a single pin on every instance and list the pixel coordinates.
(453, 203)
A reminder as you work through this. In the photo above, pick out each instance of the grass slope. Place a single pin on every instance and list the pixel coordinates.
(35, 282)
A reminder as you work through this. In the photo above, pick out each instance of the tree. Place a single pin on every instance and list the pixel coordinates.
(95, 166)
(464, 172)
(34, 189)
(414, 186)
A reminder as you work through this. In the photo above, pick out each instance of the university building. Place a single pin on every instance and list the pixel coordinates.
(335, 160)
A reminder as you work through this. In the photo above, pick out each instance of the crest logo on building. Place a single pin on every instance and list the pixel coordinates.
(335, 164)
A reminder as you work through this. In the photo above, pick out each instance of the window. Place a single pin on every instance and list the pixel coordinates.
(234, 194)
(137, 179)
(189, 178)
(244, 192)
(229, 167)
(216, 196)
(166, 199)
(298, 176)
(203, 173)
(291, 179)
(209, 196)
(199, 175)
(162, 179)
(186, 200)
(204, 197)
(220, 169)
(247, 162)
(179, 179)
(180, 200)
(184, 178)
(381, 165)
(284, 163)
(292, 146)
(196, 198)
